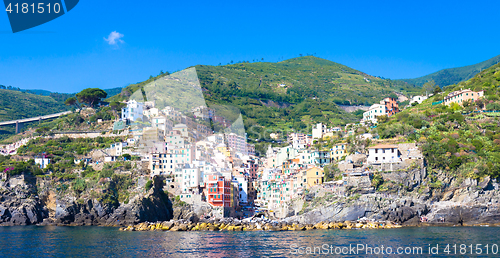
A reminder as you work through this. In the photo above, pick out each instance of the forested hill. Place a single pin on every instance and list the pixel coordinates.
(18, 105)
(294, 93)
(451, 76)
(454, 139)
(298, 78)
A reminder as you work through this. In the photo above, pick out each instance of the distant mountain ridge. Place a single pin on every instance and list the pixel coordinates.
(451, 76)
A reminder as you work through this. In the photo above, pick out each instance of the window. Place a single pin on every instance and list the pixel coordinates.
(376, 150)
(376, 158)
(392, 150)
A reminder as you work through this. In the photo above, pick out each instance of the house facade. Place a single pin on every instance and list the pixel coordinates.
(372, 113)
(461, 96)
(133, 111)
(338, 151)
(383, 153)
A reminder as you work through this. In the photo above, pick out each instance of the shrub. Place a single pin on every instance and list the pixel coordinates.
(149, 185)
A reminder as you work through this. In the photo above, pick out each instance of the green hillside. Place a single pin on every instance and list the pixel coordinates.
(454, 75)
(290, 94)
(454, 139)
(294, 79)
(18, 105)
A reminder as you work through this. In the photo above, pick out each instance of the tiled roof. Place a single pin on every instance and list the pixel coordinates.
(383, 146)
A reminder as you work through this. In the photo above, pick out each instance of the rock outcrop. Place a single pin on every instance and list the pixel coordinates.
(416, 201)
(21, 203)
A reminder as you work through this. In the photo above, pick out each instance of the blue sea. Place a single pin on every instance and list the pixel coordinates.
(52, 241)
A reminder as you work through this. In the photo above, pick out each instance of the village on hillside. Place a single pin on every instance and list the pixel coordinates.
(222, 169)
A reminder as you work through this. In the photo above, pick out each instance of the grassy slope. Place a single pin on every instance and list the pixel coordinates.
(304, 77)
(312, 87)
(454, 75)
(18, 105)
(452, 141)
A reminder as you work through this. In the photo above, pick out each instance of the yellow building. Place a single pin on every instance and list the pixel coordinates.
(224, 150)
(338, 151)
(314, 176)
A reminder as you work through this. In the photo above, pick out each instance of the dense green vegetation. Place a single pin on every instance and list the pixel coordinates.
(455, 139)
(292, 80)
(126, 92)
(18, 105)
(451, 76)
(288, 95)
(293, 94)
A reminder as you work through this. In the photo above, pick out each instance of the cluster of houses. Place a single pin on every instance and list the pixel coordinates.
(222, 169)
(199, 164)
(388, 106)
(288, 172)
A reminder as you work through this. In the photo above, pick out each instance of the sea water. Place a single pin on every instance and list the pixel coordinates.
(52, 241)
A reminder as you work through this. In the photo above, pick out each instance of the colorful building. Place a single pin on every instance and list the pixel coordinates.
(338, 151)
(461, 96)
(219, 191)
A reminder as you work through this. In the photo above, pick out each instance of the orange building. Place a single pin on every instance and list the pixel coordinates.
(219, 191)
(391, 106)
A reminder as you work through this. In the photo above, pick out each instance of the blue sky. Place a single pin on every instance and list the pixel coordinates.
(393, 39)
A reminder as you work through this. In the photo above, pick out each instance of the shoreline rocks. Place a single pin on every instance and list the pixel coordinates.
(230, 224)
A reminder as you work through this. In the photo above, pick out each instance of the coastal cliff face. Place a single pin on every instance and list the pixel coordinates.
(407, 197)
(27, 200)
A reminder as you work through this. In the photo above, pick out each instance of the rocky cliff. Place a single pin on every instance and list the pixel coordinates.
(406, 198)
(28, 200)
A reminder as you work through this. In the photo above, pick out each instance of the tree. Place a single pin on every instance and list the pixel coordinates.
(116, 105)
(480, 103)
(382, 118)
(91, 96)
(429, 87)
(332, 172)
(437, 90)
(72, 102)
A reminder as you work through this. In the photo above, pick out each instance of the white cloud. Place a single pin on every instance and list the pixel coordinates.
(114, 38)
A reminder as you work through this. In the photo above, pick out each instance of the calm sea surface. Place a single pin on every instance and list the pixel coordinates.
(33, 241)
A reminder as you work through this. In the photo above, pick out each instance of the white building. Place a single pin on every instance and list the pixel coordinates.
(190, 179)
(285, 154)
(372, 113)
(318, 131)
(152, 112)
(42, 162)
(162, 123)
(201, 112)
(175, 140)
(133, 111)
(306, 157)
(299, 140)
(118, 147)
(243, 189)
(417, 99)
(110, 158)
(383, 153)
(182, 128)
